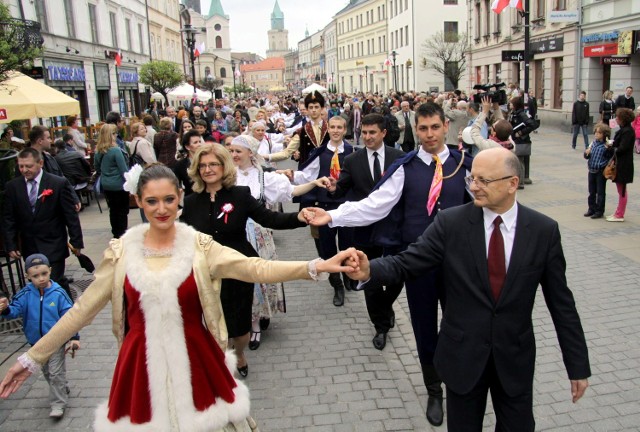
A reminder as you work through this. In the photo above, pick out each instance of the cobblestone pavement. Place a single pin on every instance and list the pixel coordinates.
(316, 369)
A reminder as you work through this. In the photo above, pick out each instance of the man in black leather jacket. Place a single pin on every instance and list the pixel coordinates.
(73, 164)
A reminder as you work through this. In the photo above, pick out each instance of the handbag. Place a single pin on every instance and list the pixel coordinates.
(135, 158)
(613, 123)
(611, 169)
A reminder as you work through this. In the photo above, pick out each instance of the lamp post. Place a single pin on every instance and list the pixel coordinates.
(333, 83)
(395, 70)
(190, 39)
(233, 71)
(366, 77)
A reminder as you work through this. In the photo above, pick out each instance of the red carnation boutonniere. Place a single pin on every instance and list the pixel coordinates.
(226, 209)
(45, 193)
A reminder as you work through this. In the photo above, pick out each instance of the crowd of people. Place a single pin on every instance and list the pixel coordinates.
(389, 186)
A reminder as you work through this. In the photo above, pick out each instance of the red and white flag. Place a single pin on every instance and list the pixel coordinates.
(118, 58)
(388, 62)
(498, 5)
(199, 50)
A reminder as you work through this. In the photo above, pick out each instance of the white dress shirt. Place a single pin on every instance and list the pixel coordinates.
(379, 203)
(507, 228)
(277, 187)
(312, 171)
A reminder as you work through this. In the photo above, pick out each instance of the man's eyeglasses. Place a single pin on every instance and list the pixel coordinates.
(211, 165)
(483, 183)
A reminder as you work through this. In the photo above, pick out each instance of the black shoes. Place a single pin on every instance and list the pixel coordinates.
(597, 215)
(349, 284)
(254, 343)
(380, 340)
(336, 283)
(435, 414)
(244, 371)
(589, 213)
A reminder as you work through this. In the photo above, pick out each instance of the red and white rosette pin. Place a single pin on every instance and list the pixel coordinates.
(45, 193)
(226, 209)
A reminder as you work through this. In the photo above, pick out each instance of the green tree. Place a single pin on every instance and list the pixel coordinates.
(162, 76)
(210, 84)
(20, 43)
(445, 53)
(239, 88)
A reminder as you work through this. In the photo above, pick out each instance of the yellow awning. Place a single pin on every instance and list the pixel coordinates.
(24, 98)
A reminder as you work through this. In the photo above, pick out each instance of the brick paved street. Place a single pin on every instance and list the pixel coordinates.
(316, 369)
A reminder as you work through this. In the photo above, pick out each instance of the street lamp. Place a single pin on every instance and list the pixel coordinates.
(190, 39)
(233, 71)
(395, 70)
(366, 76)
(333, 84)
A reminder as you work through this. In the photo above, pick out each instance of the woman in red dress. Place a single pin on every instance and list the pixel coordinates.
(162, 279)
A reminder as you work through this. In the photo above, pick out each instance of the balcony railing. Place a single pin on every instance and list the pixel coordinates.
(22, 34)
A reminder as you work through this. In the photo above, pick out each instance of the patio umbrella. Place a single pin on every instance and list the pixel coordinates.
(314, 87)
(23, 98)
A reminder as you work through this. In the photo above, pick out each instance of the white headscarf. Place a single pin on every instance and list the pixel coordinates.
(249, 142)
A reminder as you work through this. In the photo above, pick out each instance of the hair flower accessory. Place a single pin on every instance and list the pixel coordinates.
(45, 193)
(226, 209)
(131, 179)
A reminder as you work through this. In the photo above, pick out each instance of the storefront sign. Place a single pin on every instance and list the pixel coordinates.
(548, 44)
(601, 50)
(614, 60)
(63, 73)
(512, 55)
(600, 37)
(3, 114)
(127, 77)
(564, 16)
(625, 42)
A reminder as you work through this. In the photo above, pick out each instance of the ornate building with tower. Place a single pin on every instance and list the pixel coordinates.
(278, 36)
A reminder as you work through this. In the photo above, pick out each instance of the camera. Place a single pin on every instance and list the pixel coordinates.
(497, 95)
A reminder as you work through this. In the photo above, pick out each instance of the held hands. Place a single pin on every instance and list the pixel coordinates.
(332, 184)
(324, 182)
(287, 172)
(317, 216)
(13, 380)
(350, 261)
(578, 387)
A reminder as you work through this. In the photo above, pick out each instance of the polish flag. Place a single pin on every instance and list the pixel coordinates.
(199, 50)
(118, 58)
(388, 62)
(498, 5)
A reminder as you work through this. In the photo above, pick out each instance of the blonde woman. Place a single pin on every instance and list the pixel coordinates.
(607, 107)
(111, 164)
(78, 137)
(140, 145)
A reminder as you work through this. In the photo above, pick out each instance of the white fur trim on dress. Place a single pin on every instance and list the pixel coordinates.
(167, 358)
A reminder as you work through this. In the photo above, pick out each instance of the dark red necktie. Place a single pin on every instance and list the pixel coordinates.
(495, 260)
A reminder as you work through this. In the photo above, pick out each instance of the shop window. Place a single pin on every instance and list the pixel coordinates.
(557, 83)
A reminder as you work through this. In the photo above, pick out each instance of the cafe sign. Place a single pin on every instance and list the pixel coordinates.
(602, 50)
(64, 73)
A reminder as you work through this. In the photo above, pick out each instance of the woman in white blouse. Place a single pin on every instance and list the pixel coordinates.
(271, 188)
(139, 144)
(78, 137)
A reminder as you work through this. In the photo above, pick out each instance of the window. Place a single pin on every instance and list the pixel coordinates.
(207, 72)
(152, 40)
(223, 72)
(450, 2)
(451, 31)
(401, 38)
(114, 29)
(140, 33)
(68, 11)
(487, 17)
(497, 26)
(541, 6)
(477, 21)
(94, 23)
(218, 42)
(406, 34)
(217, 27)
(391, 8)
(127, 31)
(41, 13)
(560, 5)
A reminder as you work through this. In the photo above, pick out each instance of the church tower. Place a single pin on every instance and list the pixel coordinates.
(278, 36)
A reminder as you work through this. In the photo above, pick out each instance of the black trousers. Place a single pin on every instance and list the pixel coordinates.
(328, 235)
(466, 412)
(597, 192)
(118, 211)
(379, 299)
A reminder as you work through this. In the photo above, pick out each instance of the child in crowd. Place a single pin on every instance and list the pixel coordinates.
(40, 304)
(597, 155)
(201, 127)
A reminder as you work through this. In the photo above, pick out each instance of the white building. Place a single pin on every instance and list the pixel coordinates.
(329, 64)
(83, 37)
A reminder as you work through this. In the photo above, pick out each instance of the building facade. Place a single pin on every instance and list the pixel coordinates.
(267, 75)
(278, 36)
(78, 59)
(362, 47)
(164, 30)
(291, 74)
(330, 53)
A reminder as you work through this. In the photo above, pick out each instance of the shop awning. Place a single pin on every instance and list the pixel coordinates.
(185, 92)
(24, 98)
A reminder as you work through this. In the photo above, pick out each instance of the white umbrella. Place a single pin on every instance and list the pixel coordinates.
(157, 96)
(314, 87)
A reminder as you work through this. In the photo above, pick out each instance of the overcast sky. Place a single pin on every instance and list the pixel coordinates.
(251, 19)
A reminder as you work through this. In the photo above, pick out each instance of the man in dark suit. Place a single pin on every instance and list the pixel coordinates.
(39, 211)
(492, 253)
(175, 121)
(360, 173)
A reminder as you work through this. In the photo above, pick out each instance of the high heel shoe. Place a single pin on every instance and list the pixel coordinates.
(243, 371)
(254, 343)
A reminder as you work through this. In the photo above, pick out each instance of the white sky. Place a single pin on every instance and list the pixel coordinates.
(251, 19)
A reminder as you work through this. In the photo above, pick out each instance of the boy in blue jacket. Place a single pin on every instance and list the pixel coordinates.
(40, 304)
